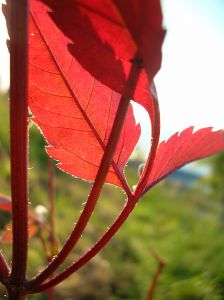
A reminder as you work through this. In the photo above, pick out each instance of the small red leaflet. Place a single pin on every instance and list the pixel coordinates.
(182, 148)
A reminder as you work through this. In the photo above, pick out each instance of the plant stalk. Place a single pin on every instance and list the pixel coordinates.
(90, 254)
(19, 141)
(50, 294)
(155, 133)
(116, 169)
(53, 241)
(97, 186)
(132, 200)
(155, 279)
(14, 294)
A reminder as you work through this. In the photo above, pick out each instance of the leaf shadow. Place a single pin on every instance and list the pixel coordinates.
(93, 54)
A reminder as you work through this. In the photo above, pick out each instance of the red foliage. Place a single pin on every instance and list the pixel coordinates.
(78, 116)
(104, 38)
(76, 121)
(87, 60)
(33, 223)
(33, 227)
(182, 148)
(5, 203)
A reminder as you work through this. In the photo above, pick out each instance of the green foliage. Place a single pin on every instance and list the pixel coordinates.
(4, 128)
(216, 180)
(4, 142)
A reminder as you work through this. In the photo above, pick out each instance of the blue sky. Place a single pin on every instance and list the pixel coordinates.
(191, 81)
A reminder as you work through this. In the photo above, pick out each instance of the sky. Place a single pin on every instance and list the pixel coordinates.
(190, 83)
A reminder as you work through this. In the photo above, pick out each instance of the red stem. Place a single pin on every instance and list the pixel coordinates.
(14, 294)
(96, 189)
(51, 193)
(19, 137)
(91, 253)
(155, 142)
(52, 237)
(155, 279)
(50, 293)
(48, 256)
(53, 242)
(116, 169)
(44, 245)
(121, 218)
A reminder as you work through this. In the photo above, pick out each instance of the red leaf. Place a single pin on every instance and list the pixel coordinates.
(75, 112)
(93, 35)
(33, 227)
(144, 21)
(5, 203)
(70, 37)
(182, 148)
(6, 10)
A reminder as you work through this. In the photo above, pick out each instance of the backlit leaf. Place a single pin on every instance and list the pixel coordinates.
(182, 148)
(5, 203)
(33, 227)
(81, 54)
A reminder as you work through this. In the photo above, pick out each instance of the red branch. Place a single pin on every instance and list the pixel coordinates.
(96, 189)
(52, 237)
(155, 142)
(118, 222)
(88, 255)
(19, 137)
(160, 266)
(116, 169)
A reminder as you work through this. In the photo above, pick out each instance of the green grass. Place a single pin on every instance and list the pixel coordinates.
(182, 226)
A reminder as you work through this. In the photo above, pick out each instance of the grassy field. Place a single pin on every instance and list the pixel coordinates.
(182, 225)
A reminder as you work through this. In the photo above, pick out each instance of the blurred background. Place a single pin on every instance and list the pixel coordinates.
(182, 218)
